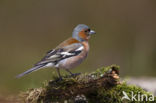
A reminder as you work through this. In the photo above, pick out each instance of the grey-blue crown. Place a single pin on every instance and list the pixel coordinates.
(80, 27)
(77, 29)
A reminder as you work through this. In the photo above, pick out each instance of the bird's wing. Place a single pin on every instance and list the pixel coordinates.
(55, 55)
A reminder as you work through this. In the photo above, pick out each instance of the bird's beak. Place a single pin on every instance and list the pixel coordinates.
(92, 32)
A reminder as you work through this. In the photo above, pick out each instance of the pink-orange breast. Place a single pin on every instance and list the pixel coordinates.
(74, 61)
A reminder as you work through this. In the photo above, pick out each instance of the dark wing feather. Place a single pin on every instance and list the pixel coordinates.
(56, 55)
(51, 52)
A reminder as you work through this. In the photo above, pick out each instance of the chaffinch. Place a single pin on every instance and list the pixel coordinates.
(69, 54)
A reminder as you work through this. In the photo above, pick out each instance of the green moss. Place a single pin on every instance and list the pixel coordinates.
(101, 86)
(115, 94)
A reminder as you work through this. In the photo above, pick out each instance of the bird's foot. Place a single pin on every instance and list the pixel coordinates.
(55, 81)
(75, 74)
(59, 79)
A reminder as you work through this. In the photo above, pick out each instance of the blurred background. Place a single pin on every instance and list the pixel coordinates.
(125, 35)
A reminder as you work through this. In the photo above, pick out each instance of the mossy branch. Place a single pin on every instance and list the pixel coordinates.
(101, 86)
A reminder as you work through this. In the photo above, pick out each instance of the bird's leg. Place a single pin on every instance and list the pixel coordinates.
(72, 74)
(69, 71)
(58, 71)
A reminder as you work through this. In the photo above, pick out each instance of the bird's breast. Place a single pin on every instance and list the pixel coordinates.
(74, 61)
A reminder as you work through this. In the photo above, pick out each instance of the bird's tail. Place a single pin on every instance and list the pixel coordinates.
(30, 70)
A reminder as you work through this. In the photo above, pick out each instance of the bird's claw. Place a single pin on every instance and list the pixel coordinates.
(59, 79)
(75, 74)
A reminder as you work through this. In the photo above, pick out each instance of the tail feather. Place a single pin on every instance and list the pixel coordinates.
(30, 70)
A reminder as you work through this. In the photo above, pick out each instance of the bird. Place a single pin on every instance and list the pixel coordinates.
(68, 54)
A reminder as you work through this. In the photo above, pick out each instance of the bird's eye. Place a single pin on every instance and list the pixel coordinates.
(87, 30)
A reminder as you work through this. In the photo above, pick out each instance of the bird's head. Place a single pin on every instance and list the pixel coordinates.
(82, 32)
